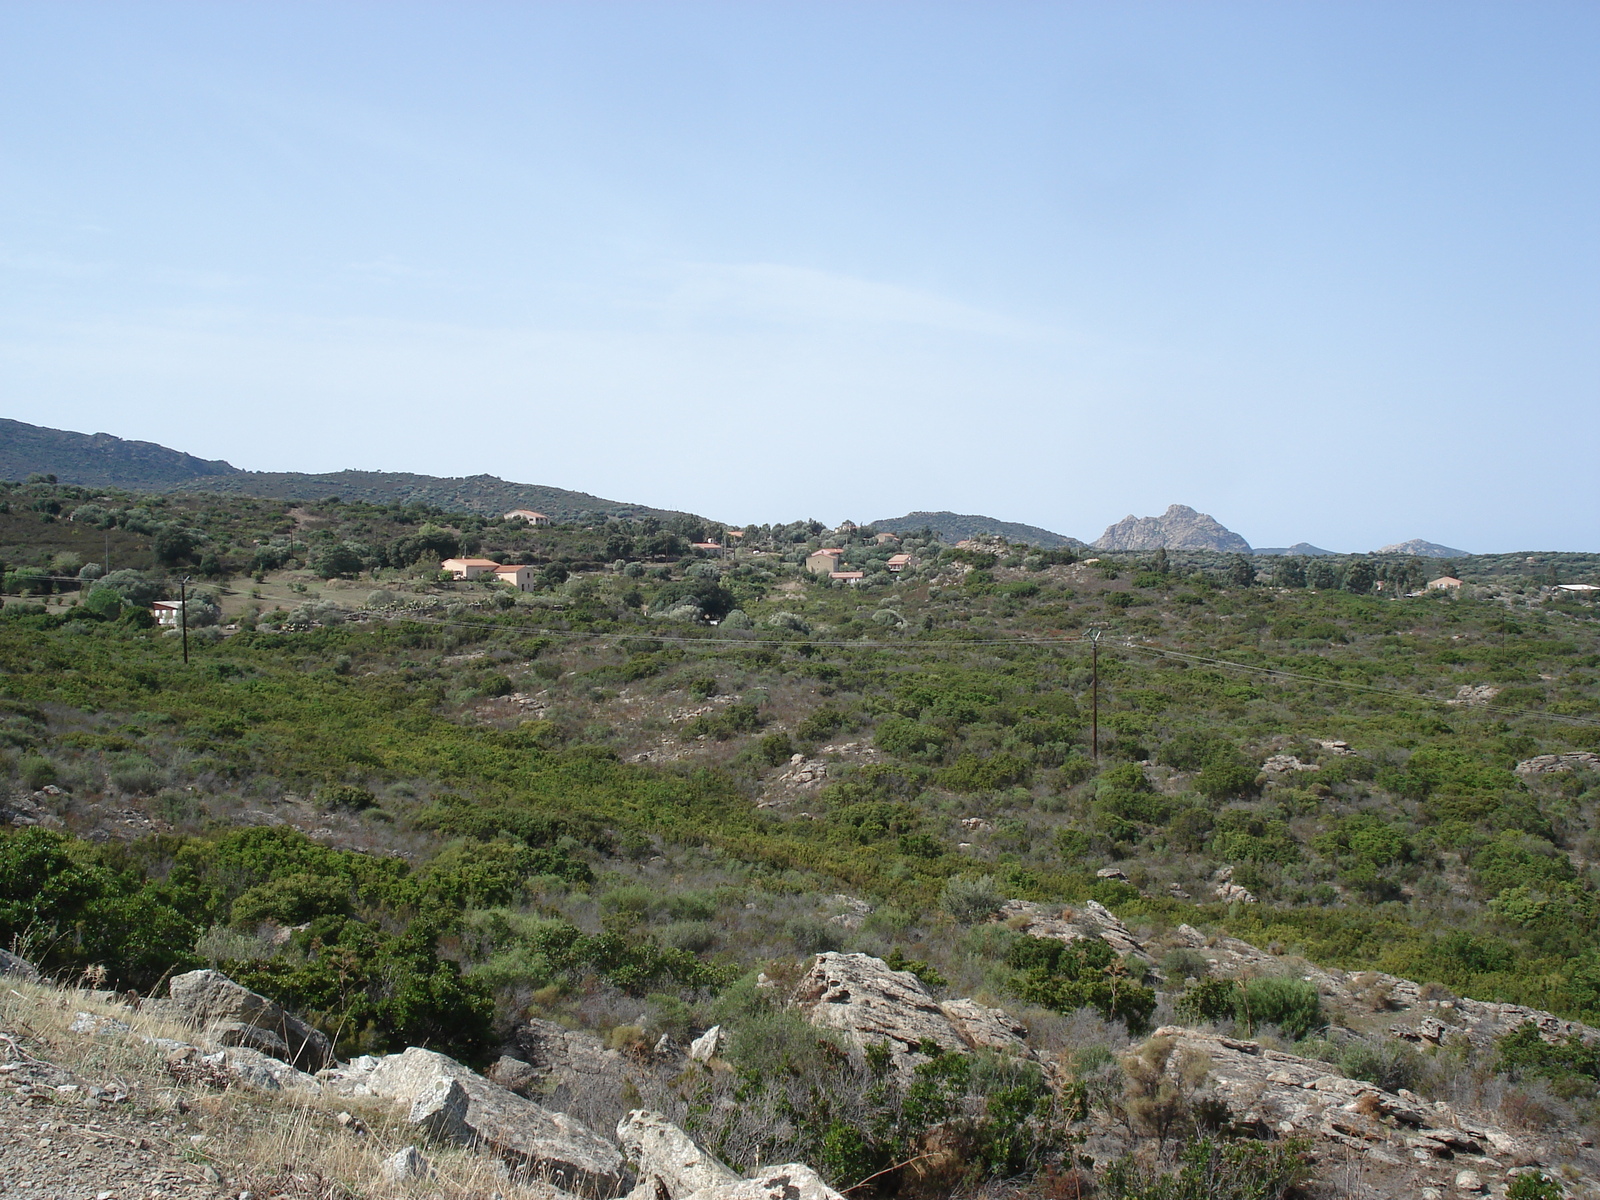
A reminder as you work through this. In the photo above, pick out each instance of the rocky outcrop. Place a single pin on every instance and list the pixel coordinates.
(455, 1104)
(12, 967)
(1179, 528)
(791, 1181)
(1549, 764)
(231, 1015)
(1416, 1017)
(862, 998)
(859, 996)
(1403, 1143)
(669, 1164)
(987, 1028)
(1090, 919)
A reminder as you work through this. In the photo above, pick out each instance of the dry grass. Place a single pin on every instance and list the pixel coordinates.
(293, 1145)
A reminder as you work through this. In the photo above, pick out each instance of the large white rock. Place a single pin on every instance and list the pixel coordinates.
(456, 1104)
(870, 1004)
(791, 1181)
(987, 1028)
(670, 1166)
(233, 1015)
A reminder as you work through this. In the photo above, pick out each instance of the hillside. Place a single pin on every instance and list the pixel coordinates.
(1304, 549)
(581, 824)
(1179, 528)
(955, 527)
(98, 460)
(102, 461)
(486, 495)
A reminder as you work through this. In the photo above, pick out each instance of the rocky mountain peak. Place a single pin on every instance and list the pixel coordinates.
(1179, 528)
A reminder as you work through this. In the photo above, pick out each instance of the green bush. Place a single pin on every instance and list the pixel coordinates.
(970, 900)
(1215, 1169)
(1209, 1000)
(1067, 976)
(1293, 1005)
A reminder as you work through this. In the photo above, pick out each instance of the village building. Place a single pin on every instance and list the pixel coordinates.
(823, 562)
(850, 577)
(713, 549)
(899, 562)
(168, 613)
(886, 537)
(520, 576)
(528, 515)
(468, 568)
(1444, 583)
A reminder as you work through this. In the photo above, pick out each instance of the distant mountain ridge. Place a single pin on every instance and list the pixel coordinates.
(1304, 549)
(1424, 549)
(953, 527)
(99, 459)
(1179, 528)
(487, 495)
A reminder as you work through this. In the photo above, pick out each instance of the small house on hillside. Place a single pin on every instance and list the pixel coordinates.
(824, 562)
(850, 577)
(714, 549)
(528, 515)
(520, 576)
(899, 562)
(468, 568)
(168, 613)
(1444, 583)
(886, 537)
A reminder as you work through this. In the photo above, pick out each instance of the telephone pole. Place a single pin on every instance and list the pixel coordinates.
(183, 615)
(1094, 693)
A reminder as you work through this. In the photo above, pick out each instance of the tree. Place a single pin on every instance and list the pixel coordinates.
(1290, 573)
(174, 545)
(340, 559)
(1159, 563)
(1241, 571)
(1360, 576)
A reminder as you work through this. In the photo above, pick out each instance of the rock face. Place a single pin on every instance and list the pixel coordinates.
(862, 998)
(1403, 1143)
(1179, 528)
(1091, 919)
(231, 1015)
(791, 1181)
(455, 1104)
(670, 1165)
(870, 1004)
(12, 967)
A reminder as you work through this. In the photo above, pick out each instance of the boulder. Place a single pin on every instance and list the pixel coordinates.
(670, 1166)
(12, 967)
(232, 1015)
(791, 1181)
(704, 1048)
(515, 1075)
(405, 1165)
(455, 1104)
(862, 998)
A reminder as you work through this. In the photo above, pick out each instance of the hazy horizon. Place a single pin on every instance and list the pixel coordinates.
(1325, 272)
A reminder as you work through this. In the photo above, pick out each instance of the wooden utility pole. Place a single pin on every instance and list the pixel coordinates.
(1094, 694)
(183, 615)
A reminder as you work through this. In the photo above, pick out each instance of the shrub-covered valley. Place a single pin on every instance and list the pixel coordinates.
(638, 798)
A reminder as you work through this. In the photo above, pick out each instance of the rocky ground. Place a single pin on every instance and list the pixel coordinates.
(213, 1090)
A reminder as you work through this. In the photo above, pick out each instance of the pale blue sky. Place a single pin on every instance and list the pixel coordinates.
(1327, 271)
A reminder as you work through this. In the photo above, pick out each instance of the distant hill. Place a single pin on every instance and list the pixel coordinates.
(1304, 549)
(953, 527)
(488, 495)
(98, 459)
(1425, 549)
(1179, 528)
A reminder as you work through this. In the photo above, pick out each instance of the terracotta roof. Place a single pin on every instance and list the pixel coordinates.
(847, 574)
